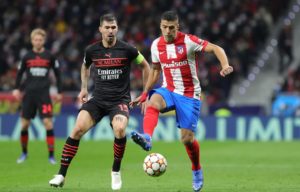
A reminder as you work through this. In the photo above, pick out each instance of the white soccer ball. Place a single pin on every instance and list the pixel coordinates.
(155, 164)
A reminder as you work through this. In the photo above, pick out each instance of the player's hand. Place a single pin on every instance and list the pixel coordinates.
(226, 71)
(17, 94)
(83, 96)
(139, 100)
(57, 98)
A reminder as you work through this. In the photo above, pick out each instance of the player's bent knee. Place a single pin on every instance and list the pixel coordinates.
(25, 126)
(48, 125)
(154, 105)
(78, 132)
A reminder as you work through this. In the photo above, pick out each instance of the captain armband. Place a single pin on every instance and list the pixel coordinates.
(139, 59)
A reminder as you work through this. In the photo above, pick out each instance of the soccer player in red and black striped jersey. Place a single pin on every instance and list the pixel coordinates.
(36, 64)
(112, 59)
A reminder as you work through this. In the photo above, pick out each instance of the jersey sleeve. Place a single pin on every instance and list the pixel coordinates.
(135, 55)
(87, 60)
(197, 43)
(154, 53)
(21, 70)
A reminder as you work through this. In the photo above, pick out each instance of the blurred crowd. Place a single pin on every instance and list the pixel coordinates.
(240, 27)
(291, 83)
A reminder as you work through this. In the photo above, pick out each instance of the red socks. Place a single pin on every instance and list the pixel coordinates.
(193, 151)
(150, 120)
(50, 142)
(119, 149)
(24, 140)
(69, 151)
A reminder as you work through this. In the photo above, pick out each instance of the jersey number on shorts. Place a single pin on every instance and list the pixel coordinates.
(46, 108)
(123, 107)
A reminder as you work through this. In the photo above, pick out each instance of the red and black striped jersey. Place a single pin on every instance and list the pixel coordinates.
(37, 67)
(111, 70)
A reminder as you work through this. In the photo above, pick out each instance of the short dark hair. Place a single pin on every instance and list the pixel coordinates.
(169, 16)
(107, 17)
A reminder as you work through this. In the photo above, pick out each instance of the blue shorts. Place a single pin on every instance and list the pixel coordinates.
(187, 109)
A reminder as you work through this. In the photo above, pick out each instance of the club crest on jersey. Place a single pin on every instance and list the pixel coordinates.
(179, 49)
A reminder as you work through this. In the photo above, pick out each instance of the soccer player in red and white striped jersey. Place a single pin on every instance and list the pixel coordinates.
(174, 54)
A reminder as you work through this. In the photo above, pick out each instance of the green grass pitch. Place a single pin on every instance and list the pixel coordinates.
(228, 167)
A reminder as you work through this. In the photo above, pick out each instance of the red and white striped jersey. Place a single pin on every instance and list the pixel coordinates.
(178, 63)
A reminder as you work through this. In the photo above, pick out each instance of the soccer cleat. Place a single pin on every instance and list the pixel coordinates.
(116, 181)
(52, 160)
(143, 140)
(57, 181)
(197, 180)
(22, 158)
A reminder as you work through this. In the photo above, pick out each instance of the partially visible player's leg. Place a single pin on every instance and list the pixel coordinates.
(45, 108)
(187, 115)
(119, 124)
(83, 123)
(50, 138)
(28, 111)
(193, 151)
(119, 119)
(192, 147)
(156, 103)
(24, 139)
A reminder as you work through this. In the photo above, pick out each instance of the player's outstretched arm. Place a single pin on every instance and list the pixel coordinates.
(146, 69)
(222, 57)
(154, 75)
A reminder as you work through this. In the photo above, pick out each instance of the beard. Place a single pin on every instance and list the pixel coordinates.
(110, 39)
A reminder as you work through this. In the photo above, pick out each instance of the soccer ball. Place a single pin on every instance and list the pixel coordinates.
(155, 164)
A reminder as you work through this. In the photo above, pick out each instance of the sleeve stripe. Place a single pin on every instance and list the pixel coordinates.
(204, 45)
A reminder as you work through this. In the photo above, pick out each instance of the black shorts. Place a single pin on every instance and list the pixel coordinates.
(98, 111)
(32, 103)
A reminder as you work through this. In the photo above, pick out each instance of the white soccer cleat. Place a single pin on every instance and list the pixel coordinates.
(57, 181)
(116, 181)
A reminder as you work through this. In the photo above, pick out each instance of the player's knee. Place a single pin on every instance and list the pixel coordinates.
(48, 125)
(186, 139)
(78, 131)
(155, 105)
(25, 126)
(157, 102)
(119, 124)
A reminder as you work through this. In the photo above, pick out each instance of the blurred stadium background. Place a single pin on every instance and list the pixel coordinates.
(261, 39)
(260, 101)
